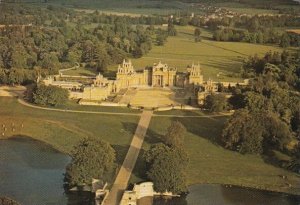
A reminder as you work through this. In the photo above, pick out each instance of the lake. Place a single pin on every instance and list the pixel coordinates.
(209, 194)
(31, 173)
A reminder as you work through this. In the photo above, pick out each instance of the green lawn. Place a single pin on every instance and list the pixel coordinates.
(210, 163)
(220, 61)
(251, 11)
(223, 58)
(257, 6)
(81, 72)
(63, 130)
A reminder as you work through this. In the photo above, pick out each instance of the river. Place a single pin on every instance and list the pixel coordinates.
(31, 173)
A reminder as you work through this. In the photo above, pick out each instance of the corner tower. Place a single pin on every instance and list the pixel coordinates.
(126, 68)
(194, 74)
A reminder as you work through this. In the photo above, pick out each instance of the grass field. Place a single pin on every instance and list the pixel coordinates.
(210, 163)
(81, 71)
(63, 130)
(254, 7)
(220, 61)
(128, 7)
(148, 7)
(223, 58)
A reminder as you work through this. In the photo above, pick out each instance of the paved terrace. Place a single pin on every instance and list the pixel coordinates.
(153, 97)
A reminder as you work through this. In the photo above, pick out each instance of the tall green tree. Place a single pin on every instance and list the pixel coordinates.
(175, 135)
(243, 133)
(215, 102)
(197, 34)
(285, 40)
(50, 95)
(91, 158)
(167, 168)
(171, 28)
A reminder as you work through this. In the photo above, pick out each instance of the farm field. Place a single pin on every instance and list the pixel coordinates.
(220, 61)
(210, 163)
(257, 6)
(144, 7)
(132, 8)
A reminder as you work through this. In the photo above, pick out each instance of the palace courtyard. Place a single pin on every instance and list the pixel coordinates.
(154, 97)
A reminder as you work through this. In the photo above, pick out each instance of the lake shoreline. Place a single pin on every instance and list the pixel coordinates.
(16, 137)
(248, 187)
(251, 187)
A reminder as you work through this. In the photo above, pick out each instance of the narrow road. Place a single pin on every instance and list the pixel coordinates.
(121, 181)
(23, 102)
(18, 91)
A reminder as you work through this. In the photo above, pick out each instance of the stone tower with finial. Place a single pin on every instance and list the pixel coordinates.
(194, 74)
(126, 68)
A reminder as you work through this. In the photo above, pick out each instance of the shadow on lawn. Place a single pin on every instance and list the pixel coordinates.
(129, 127)
(270, 157)
(121, 151)
(151, 136)
(140, 168)
(209, 128)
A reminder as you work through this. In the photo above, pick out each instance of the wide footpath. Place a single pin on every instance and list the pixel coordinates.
(121, 181)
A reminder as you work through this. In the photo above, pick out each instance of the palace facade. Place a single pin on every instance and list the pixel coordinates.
(159, 75)
(100, 87)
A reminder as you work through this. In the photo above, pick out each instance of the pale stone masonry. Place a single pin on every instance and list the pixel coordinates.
(96, 89)
(99, 87)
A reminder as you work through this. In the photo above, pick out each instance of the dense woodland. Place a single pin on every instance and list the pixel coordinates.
(253, 29)
(267, 116)
(41, 40)
(55, 38)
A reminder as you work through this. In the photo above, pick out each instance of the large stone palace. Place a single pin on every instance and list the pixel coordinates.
(160, 75)
(100, 87)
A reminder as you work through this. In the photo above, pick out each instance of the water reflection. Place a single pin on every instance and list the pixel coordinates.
(221, 195)
(31, 172)
(242, 196)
